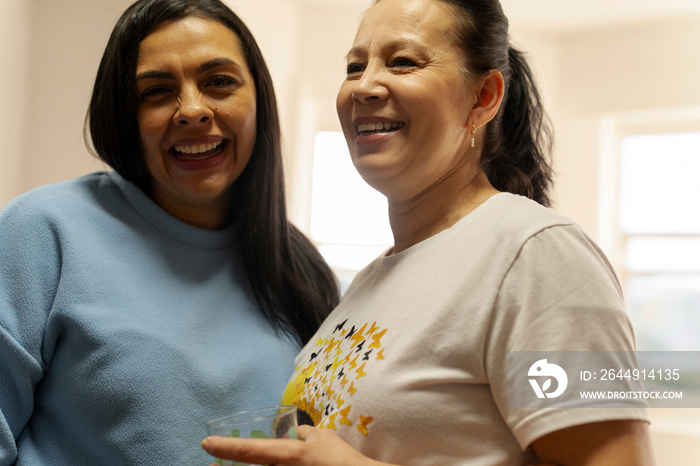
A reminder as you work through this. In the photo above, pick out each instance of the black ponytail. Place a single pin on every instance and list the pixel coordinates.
(518, 141)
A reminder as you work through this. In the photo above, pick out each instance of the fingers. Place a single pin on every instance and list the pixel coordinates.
(303, 431)
(258, 451)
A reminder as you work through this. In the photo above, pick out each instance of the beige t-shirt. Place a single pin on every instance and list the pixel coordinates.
(411, 367)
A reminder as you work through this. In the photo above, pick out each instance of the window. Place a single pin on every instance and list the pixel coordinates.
(658, 237)
(349, 219)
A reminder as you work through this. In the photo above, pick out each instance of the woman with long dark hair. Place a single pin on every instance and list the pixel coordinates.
(414, 366)
(136, 304)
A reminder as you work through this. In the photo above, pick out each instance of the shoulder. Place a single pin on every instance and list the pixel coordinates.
(549, 248)
(557, 276)
(527, 228)
(510, 213)
(498, 231)
(49, 214)
(547, 241)
(53, 202)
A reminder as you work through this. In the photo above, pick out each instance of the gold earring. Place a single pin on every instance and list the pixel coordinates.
(473, 131)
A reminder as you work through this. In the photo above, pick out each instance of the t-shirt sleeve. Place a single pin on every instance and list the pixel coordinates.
(29, 271)
(560, 294)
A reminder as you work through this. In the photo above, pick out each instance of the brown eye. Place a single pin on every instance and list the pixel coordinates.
(402, 62)
(222, 81)
(154, 91)
(354, 68)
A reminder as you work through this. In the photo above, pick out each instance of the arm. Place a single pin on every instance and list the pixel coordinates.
(19, 372)
(28, 273)
(619, 443)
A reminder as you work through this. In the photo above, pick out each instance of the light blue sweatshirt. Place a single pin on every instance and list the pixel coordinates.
(122, 330)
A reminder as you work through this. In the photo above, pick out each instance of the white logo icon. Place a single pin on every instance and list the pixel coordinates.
(542, 369)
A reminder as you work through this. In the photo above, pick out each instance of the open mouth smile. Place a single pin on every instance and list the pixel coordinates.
(198, 152)
(365, 129)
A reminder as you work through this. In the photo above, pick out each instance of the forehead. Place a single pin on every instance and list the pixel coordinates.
(427, 21)
(190, 38)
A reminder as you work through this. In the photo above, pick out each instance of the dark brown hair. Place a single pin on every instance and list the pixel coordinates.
(292, 283)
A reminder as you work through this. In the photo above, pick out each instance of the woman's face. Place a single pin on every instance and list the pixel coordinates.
(405, 106)
(196, 113)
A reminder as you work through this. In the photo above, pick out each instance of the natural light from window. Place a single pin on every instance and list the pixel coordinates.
(659, 212)
(349, 220)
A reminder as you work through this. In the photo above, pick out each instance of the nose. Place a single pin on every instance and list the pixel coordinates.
(192, 109)
(370, 87)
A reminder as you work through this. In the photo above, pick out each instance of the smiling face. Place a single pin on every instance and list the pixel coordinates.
(405, 105)
(197, 117)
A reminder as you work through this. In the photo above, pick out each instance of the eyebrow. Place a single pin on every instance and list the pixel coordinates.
(214, 63)
(200, 69)
(393, 45)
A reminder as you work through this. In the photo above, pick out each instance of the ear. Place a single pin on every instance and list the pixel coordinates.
(488, 99)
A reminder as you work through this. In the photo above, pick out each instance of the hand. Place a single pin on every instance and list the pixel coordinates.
(320, 447)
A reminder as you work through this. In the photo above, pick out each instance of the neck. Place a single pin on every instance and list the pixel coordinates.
(437, 208)
(210, 215)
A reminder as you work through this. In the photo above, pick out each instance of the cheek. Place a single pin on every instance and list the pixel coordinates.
(442, 118)
(249, 137)
(248, 123)
(152, 126)
(241, 121)
(151, 131)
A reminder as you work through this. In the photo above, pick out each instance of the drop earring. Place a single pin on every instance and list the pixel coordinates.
(473, 131)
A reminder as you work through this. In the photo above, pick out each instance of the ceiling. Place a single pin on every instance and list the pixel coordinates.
(563, 14)
(567, 14)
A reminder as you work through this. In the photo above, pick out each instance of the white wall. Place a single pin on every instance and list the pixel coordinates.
(64, 58)
(14, 54)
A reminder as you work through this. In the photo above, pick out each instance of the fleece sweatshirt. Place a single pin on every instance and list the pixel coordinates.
(123, 329)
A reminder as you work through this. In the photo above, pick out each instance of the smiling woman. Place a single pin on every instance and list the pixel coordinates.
(441, 116)
(197, 113)
(136, 304)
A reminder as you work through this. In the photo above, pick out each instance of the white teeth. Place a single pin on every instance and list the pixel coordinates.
(197, 149)
(378, 126)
